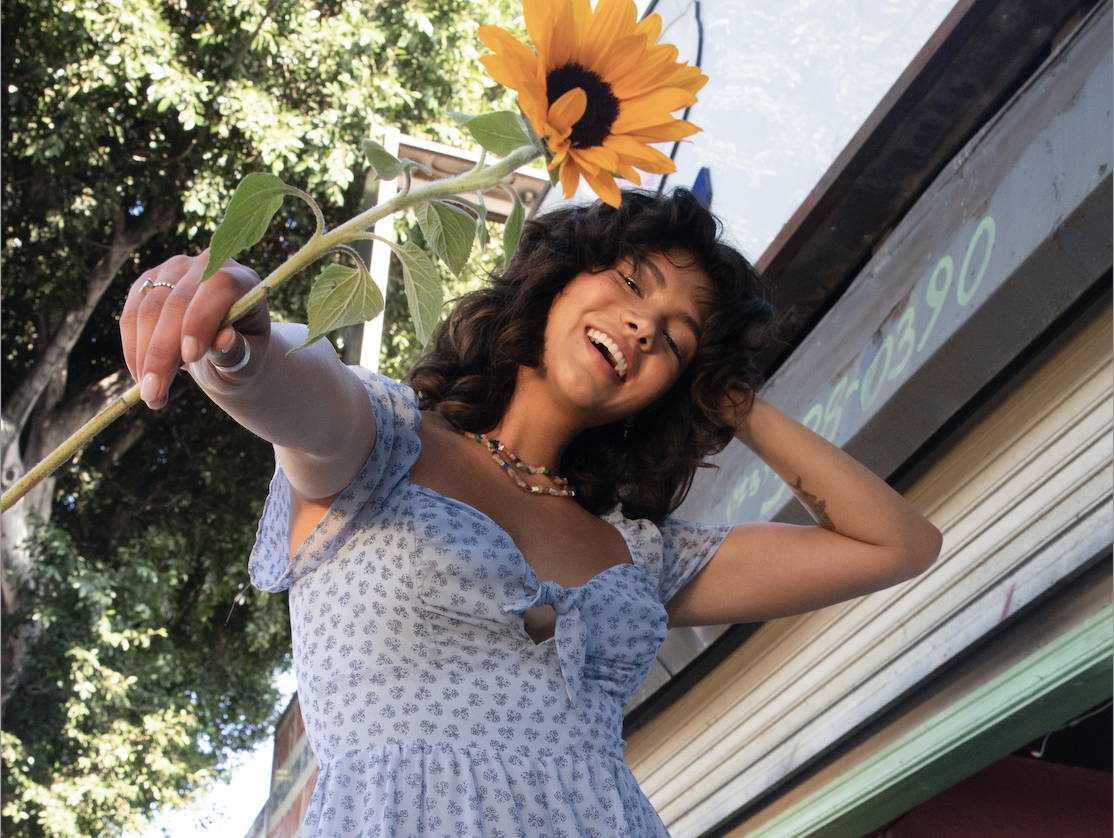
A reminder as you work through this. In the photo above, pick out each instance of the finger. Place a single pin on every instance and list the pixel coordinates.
(129, 321)
(158, 331)
(224, 340)
(201, 328)
(230, 352)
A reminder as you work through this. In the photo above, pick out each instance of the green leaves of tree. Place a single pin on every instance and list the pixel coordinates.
(449, 231)
(500, 132)
(253, 205)
(341, 296)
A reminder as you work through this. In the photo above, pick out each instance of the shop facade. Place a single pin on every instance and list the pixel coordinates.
(957, 340)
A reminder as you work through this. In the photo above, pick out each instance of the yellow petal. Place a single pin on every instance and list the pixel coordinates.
(653, 73)
(586, 166)
(507, 73)
(611, 20)
(568, 108)
(558, 141)
(556, 28)
(692, 80)
(638, 154)
(675, 129)
(563, 41)
(599, 157)
(650, 27)
(623, 57)
(630, 174)
(570, 177)
(501, 41)
(650, 109)
(535, 107)
(557, 160)
(539, 23)
(514, 65)
(603, 184)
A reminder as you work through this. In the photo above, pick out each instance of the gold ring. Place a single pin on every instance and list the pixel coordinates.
(151, 283)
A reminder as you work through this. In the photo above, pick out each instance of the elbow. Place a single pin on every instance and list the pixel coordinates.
(921, 552)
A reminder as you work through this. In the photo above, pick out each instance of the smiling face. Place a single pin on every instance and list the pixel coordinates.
(616, 340)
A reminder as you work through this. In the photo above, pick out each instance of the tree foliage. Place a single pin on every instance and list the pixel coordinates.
(136, 659)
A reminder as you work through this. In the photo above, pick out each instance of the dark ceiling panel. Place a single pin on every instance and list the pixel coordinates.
(979, 56)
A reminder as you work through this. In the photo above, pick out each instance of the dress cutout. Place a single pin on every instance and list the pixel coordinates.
(429, 708)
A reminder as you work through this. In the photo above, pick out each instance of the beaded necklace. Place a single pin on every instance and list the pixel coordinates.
(511, 465)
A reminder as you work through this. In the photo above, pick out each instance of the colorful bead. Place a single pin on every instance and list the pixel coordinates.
(502, 455)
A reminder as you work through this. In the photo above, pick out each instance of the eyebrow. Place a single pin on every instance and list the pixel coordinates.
(660, 280)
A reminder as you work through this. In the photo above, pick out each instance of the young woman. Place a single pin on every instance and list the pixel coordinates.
(481, 564)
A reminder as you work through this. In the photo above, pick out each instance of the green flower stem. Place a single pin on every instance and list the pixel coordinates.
(473, 180)
(77, 440)
(353, 229)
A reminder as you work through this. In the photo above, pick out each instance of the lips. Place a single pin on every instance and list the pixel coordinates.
(610, 350)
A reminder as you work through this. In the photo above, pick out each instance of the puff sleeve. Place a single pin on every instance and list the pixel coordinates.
(686, 549)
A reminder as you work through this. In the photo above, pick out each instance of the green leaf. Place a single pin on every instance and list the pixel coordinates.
(249, 213)
(386, 165)
(423, 289)
(500, 132)
(341, 296)
(449, 232)
(512, 230)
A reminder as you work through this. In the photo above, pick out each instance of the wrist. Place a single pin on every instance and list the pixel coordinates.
(744, 421)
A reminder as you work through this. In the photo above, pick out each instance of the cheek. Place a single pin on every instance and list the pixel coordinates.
(663, 379)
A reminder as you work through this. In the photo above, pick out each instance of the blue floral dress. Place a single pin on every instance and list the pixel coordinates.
(429, 708)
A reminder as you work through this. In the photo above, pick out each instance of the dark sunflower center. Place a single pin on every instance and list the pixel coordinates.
(603, 108)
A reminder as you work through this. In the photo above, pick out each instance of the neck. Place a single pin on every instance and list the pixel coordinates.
(534, 429)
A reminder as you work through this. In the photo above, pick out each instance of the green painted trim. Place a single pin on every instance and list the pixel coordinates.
(1048, 688)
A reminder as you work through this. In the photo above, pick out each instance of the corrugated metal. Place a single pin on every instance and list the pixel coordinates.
(1023, 501)
(1067, 674)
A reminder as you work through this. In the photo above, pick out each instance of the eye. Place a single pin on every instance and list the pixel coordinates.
(631, 282)
(673, 346)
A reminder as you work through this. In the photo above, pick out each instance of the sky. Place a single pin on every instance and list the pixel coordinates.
(790, 82)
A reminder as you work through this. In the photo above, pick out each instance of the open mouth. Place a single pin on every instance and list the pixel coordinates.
(610, 351)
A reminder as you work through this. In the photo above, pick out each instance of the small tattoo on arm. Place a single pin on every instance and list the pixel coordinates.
(816, 507)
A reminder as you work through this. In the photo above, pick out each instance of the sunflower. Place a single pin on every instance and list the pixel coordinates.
(597, 87)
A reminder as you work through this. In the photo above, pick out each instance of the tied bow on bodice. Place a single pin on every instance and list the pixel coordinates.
(570, 634)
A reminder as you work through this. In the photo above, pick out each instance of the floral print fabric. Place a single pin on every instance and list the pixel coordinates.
(430, 709)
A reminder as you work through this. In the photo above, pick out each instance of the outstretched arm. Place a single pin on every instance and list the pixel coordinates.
(308, 403)
(866, 535)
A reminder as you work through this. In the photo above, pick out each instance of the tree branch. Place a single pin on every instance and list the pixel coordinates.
(52, 359)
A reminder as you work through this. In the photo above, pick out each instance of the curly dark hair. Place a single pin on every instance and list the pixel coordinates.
(470, 371)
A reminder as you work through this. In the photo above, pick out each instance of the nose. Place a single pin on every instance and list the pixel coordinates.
(643, 327)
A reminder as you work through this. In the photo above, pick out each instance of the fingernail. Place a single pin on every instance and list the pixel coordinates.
(191, 349)
(149, 389)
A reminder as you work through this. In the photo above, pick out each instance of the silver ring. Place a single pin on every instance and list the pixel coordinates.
(152, 283)
(239, 365)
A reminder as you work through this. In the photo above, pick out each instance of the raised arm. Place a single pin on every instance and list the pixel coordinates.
(866, 537)
(308, 403)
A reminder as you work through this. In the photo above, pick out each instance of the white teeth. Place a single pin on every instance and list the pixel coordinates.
(618, 360)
